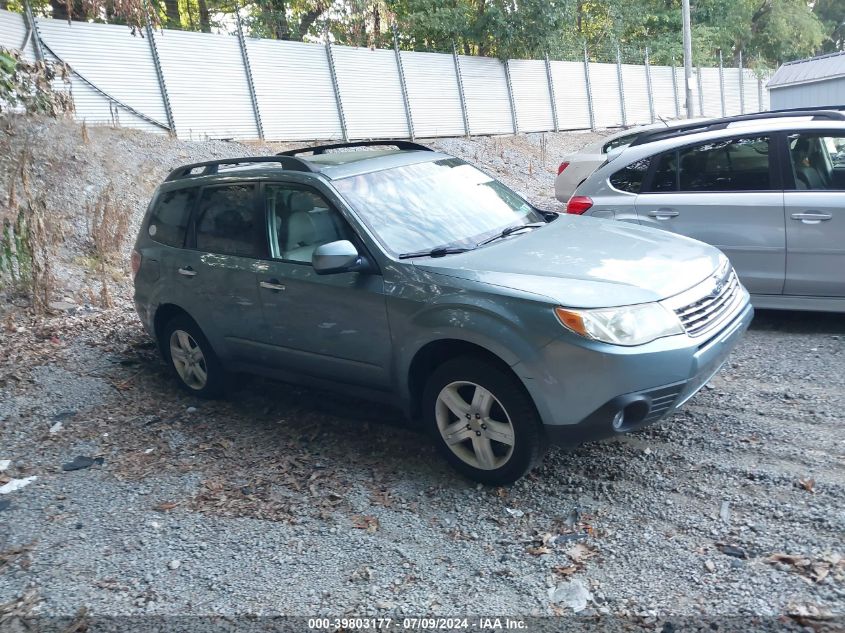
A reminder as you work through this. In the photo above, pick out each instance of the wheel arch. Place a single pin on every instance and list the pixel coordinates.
(434, 353)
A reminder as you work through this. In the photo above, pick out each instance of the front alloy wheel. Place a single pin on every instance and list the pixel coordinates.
(483, 420)
(474, 425)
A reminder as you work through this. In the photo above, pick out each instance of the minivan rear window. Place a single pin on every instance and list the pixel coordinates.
(169, 219)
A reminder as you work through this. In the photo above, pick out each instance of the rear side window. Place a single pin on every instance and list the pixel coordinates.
(740, 164)
(169, 219)
(229, 223)
(630, 178)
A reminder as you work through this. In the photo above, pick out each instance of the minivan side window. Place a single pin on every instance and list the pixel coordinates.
(169, 218)
(228, 222)
(630, 177)
(740, 164)
(818, 161)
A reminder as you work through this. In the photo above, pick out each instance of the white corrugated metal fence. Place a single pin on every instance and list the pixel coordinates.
(201, 85)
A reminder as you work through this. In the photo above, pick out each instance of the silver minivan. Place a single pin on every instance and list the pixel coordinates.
(408, 276)
(768, 192)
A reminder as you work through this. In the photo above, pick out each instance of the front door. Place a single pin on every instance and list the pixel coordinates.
(815, 215)
(327, 326)
(724, 193)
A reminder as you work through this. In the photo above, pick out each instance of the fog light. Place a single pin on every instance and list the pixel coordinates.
(618, 420)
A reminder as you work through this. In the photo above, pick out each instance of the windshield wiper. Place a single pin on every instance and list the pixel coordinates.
(438, 251)
(511, 230)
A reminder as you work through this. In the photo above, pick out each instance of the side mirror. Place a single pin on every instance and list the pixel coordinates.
(338, 257)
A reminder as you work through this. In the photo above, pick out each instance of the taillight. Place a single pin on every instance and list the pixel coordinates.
(563, 166)
(136, 263)
(577, 205)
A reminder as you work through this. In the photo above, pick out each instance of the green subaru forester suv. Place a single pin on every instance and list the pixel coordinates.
(408, 276)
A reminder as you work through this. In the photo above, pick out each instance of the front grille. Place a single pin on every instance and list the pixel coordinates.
(717, 300)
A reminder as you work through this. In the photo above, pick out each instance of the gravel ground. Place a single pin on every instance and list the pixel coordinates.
(282, 500)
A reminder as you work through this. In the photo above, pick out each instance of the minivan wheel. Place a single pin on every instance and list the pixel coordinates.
(191, 358)
(483, 421)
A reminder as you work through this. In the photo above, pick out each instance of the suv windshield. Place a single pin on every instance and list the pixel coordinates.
(434, 204)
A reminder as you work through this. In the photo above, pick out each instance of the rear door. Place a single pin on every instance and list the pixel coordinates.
(815, 214)
(726, 193)
(226, 247)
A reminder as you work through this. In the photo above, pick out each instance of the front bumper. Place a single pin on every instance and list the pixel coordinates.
(638, 407)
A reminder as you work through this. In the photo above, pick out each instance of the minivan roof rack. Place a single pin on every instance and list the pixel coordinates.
(211, 166)
(321, 149)
(818, 114)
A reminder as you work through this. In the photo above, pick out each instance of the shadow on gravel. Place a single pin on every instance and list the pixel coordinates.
(799, 322)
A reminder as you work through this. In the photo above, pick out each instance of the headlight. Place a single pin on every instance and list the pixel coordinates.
(625, 325)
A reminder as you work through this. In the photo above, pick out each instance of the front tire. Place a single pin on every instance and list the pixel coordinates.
(191, 358)
(483, 421)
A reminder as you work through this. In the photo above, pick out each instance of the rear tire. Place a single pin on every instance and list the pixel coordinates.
(191, 358)
(483, 420)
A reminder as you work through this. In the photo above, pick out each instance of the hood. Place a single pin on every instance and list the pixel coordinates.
(585, 262)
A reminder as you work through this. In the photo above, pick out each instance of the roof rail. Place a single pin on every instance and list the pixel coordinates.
(211, 166)
(818, 114)
(321, 149)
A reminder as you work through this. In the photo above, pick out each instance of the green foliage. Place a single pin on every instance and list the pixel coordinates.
(15, 253)
(831, 13)
(28, 86)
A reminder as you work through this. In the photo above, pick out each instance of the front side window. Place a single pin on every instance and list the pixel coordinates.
(169, 219)
(725, 165)
(228, 222)
(300, 221)
(433, 204)
(818, 161)
(630, 177)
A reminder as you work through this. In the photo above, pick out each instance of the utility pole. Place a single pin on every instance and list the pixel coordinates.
(687, 58)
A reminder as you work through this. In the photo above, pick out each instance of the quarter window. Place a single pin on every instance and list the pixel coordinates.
(169, 219)
(630, 178)
(227, 222)
(726, 165)
(818, 161)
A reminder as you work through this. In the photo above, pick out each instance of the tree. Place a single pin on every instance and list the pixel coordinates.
(831, 13)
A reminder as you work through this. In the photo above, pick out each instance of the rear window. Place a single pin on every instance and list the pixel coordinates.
(169, 219)
(630, 178)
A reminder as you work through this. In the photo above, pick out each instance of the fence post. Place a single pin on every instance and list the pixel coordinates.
(621, 86)
(675, 90)
(461, 88)
(741, 86)
(649, 86)
(552, 93)
(510, 95)
(589, 89)
(333, 71)
(403, 84)
(249, 80)
(33, 29)
(760, 94)
(162, 86)
(700, 93)
(722, 83)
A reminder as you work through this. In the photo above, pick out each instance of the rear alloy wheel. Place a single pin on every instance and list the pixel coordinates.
(192, 359)
(483, 421)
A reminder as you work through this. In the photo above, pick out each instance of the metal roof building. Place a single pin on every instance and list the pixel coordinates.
(818, 81)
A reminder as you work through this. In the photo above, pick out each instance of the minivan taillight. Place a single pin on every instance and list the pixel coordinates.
(563, 166)
(136, 263)
(577, 205)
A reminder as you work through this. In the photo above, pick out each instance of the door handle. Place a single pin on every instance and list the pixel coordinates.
(812, 217)
(187, 271)
(272, 284)
(664, 214)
